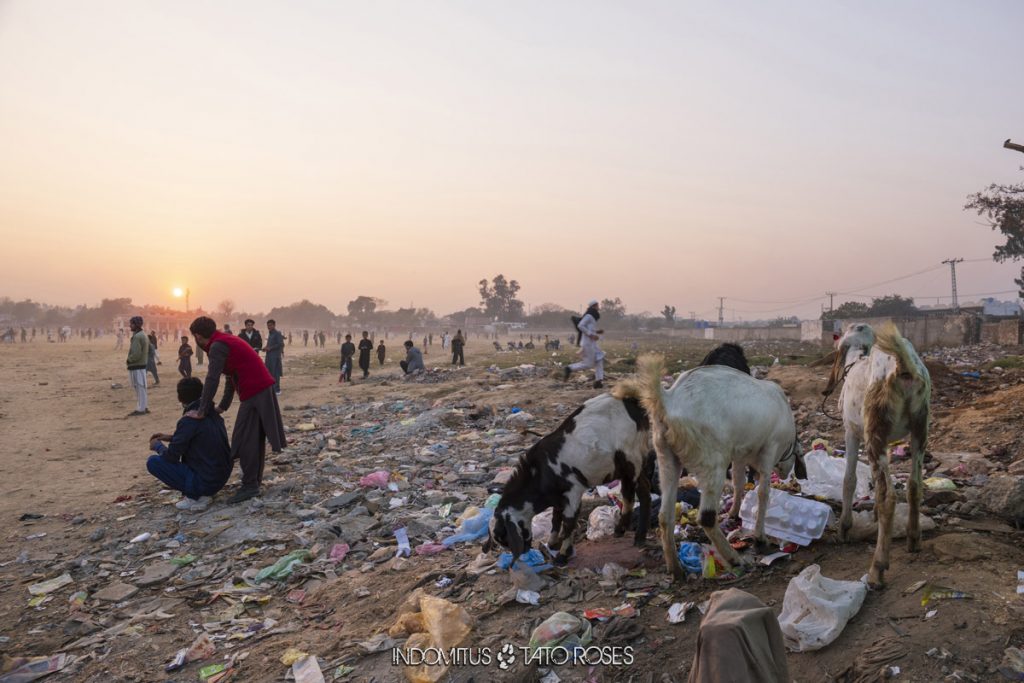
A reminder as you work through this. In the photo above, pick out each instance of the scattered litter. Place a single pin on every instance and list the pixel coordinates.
(26, 670)
(528, 597)
(561, 629)
(473, 529)
(339, 551)
(307, 670)
(44, 587)
(283, 568)
(677, 612)
(602, 521)
(939, 484)
(378, 479)
(942, 593)
(402, 536)
(816, 609)
(624, 610)
(142, 538)
(788, 518)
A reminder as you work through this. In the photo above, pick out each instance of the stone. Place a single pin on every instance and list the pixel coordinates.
(342, 501)
(116, 592)
(98, 534)
(1004, 496)
(935, 498)
(305, 514)
(158, 572)
(960, 547)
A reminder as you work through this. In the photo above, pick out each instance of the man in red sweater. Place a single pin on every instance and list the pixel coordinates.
(259, 417)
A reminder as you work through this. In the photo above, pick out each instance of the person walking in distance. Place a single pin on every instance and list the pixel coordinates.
(275, 354)
(458, 343)
(365, 349)
(259, 416)
(120, 339)
(381, 352)
(589, 335)
(138, 358)
(348, 349)
(185, 358)
(151, 358)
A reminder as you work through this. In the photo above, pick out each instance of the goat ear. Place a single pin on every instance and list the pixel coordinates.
(837, 369)
(515, 541)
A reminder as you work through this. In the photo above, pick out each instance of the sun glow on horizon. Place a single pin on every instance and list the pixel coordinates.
(178, 292)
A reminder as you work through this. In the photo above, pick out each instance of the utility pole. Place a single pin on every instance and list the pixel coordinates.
(721, 310)
(952, 271)
(187, 292)
(830, 296)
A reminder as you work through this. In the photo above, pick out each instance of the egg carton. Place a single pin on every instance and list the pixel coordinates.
(788, 518)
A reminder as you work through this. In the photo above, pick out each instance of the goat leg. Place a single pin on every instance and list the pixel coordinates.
(555, 537)
(668, 477)
(738, 489)
(849, 482)
(918, 435)
(710, 496)
(628, 498)
(885, 499)
(643, 492)
(565, 551)
(763, 491)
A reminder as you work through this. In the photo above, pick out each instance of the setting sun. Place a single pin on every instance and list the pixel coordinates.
(177, 292)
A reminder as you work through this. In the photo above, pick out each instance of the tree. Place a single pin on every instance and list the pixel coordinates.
(893, 305)
(498, 298)
(303, 314)
(847, 310)
(225, 309)
(1003, 206)
(613, 311)
(669, 313)
(364, 306)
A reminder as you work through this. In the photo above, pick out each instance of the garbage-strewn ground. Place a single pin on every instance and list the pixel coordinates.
(70, 456)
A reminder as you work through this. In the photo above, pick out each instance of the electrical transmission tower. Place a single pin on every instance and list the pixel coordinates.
(952, 271)
(721, 310)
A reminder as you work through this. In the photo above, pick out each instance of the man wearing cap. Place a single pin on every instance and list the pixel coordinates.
(259, 417)
(138, 354)
(593, 356)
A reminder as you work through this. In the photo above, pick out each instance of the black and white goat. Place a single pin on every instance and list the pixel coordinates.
(603, 440)
(711, 417)
(885, 396)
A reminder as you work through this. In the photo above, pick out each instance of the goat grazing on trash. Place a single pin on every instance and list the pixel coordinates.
(603, 440)
(711, 417)
(885, 396)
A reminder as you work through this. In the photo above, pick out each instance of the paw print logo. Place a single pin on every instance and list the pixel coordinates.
(506, 657)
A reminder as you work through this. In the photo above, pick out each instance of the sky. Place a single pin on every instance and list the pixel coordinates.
(660, 152)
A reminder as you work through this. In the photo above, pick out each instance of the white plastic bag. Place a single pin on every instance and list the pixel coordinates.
(602, 522)
(816, 609)
(865, 528)
(540, 527)
(825, 477)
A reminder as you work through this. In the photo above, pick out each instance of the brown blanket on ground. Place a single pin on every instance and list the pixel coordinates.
(739, 642)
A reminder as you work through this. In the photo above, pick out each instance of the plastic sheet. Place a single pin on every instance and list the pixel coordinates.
(816, 609)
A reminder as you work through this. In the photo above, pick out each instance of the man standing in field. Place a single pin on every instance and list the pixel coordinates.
(365, 349)
(259, 417)
(185, 358)
(381, 352)
(138, 354)
(275, 352)
(251, 335)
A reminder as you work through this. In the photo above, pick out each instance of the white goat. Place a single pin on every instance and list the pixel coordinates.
(885, 397)
(713, 416)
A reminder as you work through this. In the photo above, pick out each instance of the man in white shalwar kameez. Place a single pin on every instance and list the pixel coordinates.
(592, 355)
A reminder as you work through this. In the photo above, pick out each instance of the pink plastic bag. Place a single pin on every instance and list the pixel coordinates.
(339, 551)
(430, 548)
(378, 479)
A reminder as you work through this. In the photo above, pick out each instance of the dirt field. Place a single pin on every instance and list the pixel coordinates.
(71, 455)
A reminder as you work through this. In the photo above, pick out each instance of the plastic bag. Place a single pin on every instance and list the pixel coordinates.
(561, 628)
(602, 522)
(531, 558)
(691, 556)
(825, 477)
(378, 479)
(282, 569)
(447, 623)
(816, 609)
(473, 529)
(865, 528)
(540, 526)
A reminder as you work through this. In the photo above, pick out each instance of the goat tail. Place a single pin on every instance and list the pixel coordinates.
(889, 340)
(645, 386)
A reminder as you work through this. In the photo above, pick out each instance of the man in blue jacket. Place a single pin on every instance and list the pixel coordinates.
(197, 460)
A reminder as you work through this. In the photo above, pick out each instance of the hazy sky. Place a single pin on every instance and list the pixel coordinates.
(660, 152)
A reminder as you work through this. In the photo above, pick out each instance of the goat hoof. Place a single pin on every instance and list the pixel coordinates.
(561, 560)
(762, 546)
(913, 545)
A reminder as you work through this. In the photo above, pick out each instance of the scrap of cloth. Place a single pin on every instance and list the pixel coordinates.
(739, 642)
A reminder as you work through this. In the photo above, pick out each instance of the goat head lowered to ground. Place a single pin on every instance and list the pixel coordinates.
(711, 417)
(885, 396)
(603, 440)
